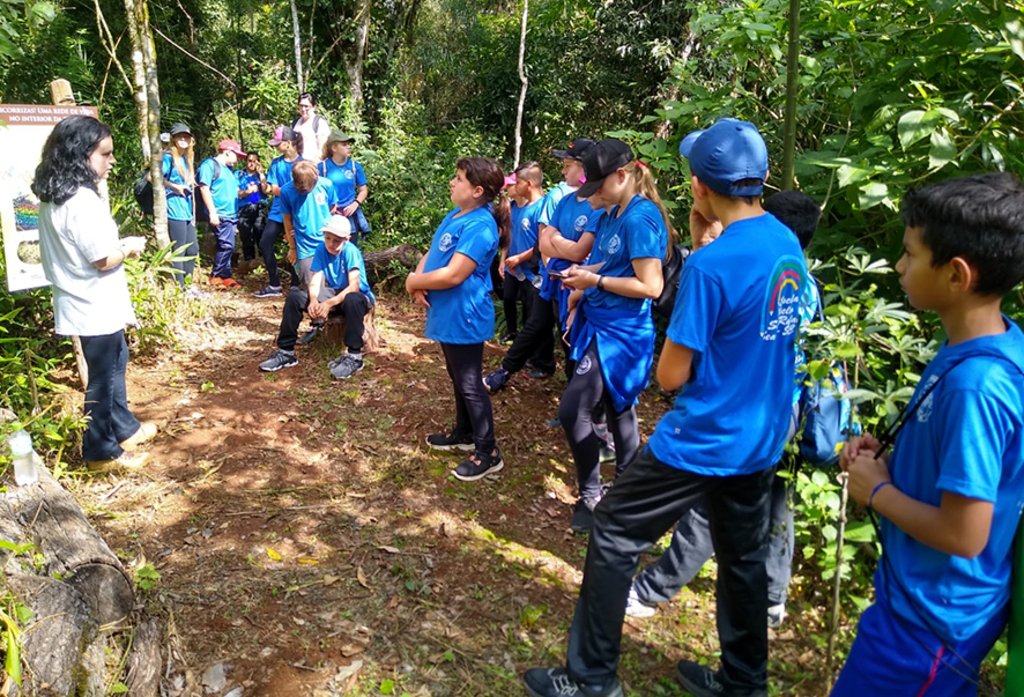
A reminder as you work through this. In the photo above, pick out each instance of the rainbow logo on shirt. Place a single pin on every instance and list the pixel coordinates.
(781, 315)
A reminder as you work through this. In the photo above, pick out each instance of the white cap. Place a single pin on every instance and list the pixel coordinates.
(338, 225)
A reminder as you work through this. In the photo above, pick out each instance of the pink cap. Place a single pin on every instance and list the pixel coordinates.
(232, 146)
(509, 180)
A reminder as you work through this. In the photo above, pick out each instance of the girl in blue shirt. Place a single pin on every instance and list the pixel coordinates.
(289, 143)
(349, 181)
(179, 178)
(252, 181)
(610, 314)
(453, 282)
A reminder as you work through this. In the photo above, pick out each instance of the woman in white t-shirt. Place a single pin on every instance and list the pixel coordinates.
(313, 127)
(84, 260)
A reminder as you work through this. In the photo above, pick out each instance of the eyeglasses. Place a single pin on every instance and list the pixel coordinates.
(305, 106)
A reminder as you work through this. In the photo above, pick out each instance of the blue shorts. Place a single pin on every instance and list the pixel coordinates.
(892, 657)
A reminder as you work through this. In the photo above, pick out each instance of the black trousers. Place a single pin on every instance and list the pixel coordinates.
(585, 401)
(354, 307)
(644, 504)
(106, 397)
(536, 341)
(465, 363)
(271, 231)
(183, 234)
(516, 290)
(251, 222)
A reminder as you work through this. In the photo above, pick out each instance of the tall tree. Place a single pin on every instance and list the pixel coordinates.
(355, 66)
(298, 46)
(147, 106)
(792, 88)
(523, 81)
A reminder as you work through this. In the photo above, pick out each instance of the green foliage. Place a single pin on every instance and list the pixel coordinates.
(161, 308)
(146, 577)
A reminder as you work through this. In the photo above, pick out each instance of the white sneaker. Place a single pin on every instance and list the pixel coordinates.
(635, 607)
(776, 615)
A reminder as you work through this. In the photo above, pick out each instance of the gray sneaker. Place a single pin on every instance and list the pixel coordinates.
(635, 607)
(279, 359)
(346, 367)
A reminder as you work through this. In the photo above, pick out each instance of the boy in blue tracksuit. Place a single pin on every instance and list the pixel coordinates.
(527, 194)
(950, 493)
(306, 204)
(218, 186)
(731, 347)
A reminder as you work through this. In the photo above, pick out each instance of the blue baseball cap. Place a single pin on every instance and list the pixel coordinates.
(728, 152)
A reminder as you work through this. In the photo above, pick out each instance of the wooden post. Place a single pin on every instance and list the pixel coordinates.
(60, 91)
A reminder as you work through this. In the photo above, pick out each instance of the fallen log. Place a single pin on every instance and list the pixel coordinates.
(78, 591)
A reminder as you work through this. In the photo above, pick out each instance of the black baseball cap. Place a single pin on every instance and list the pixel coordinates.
(600, 161)
(575, 150)
(179, 128)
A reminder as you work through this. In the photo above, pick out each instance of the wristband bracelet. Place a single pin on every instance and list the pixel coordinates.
(600, 282)
(871, 499)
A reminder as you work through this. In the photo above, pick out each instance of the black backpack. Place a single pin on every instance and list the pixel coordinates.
(202, 213)
(144, 193)
(671, 272)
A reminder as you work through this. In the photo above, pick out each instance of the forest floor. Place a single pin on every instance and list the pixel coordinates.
(308, 542)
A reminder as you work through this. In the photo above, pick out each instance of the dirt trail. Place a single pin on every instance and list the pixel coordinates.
(306, 536)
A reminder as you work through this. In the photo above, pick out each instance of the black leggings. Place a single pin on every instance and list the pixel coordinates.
(271, 231)
(183, 234)
(583, 398)
(465, 363)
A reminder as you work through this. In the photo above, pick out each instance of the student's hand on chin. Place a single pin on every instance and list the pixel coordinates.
(702, 227)
(865, 474)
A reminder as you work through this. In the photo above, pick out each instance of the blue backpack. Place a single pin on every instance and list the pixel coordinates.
(827, 417)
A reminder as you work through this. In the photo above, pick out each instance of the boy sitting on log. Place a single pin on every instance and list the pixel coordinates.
(338, 280)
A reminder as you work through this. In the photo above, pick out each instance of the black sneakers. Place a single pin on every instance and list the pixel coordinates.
(583, 514)
(479, 466)
(448, 443)
(698, 679)
(555, 682)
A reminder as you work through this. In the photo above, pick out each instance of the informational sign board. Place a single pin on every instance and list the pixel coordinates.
(24, 129)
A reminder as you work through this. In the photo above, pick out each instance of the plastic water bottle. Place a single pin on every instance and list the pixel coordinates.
(519, 274)
(23, 458)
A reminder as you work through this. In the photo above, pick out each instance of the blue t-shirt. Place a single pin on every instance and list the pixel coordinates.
(525, 228)
(572, 218)
(967, 438)
(178, 207)
(309, 213)
(280, 173)
(223, 189)
(346, 178)
(551, 200)
(738, 310)
(336, 268)
(639, 233)
(245, 180)
(463, 314)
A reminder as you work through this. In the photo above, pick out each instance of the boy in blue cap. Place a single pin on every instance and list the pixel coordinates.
(950, 493)
(731, 347)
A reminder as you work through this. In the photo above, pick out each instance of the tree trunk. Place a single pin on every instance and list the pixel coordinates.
(377, 262)
(792, 88)
(355, 68)
(673, 91)
(79, 594)
(147, 107)
(298, 46)
(524, 82)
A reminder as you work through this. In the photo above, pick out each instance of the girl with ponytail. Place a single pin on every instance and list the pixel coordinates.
(453, 282)
(611, 325)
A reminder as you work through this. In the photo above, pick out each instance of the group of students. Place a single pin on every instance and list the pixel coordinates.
(235, 202)
(587, 259)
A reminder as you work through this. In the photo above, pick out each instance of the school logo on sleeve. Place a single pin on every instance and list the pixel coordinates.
(580, 224)
(445, 243)
(781, 313)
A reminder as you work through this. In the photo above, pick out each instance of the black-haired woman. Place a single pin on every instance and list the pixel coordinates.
(83, 258)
